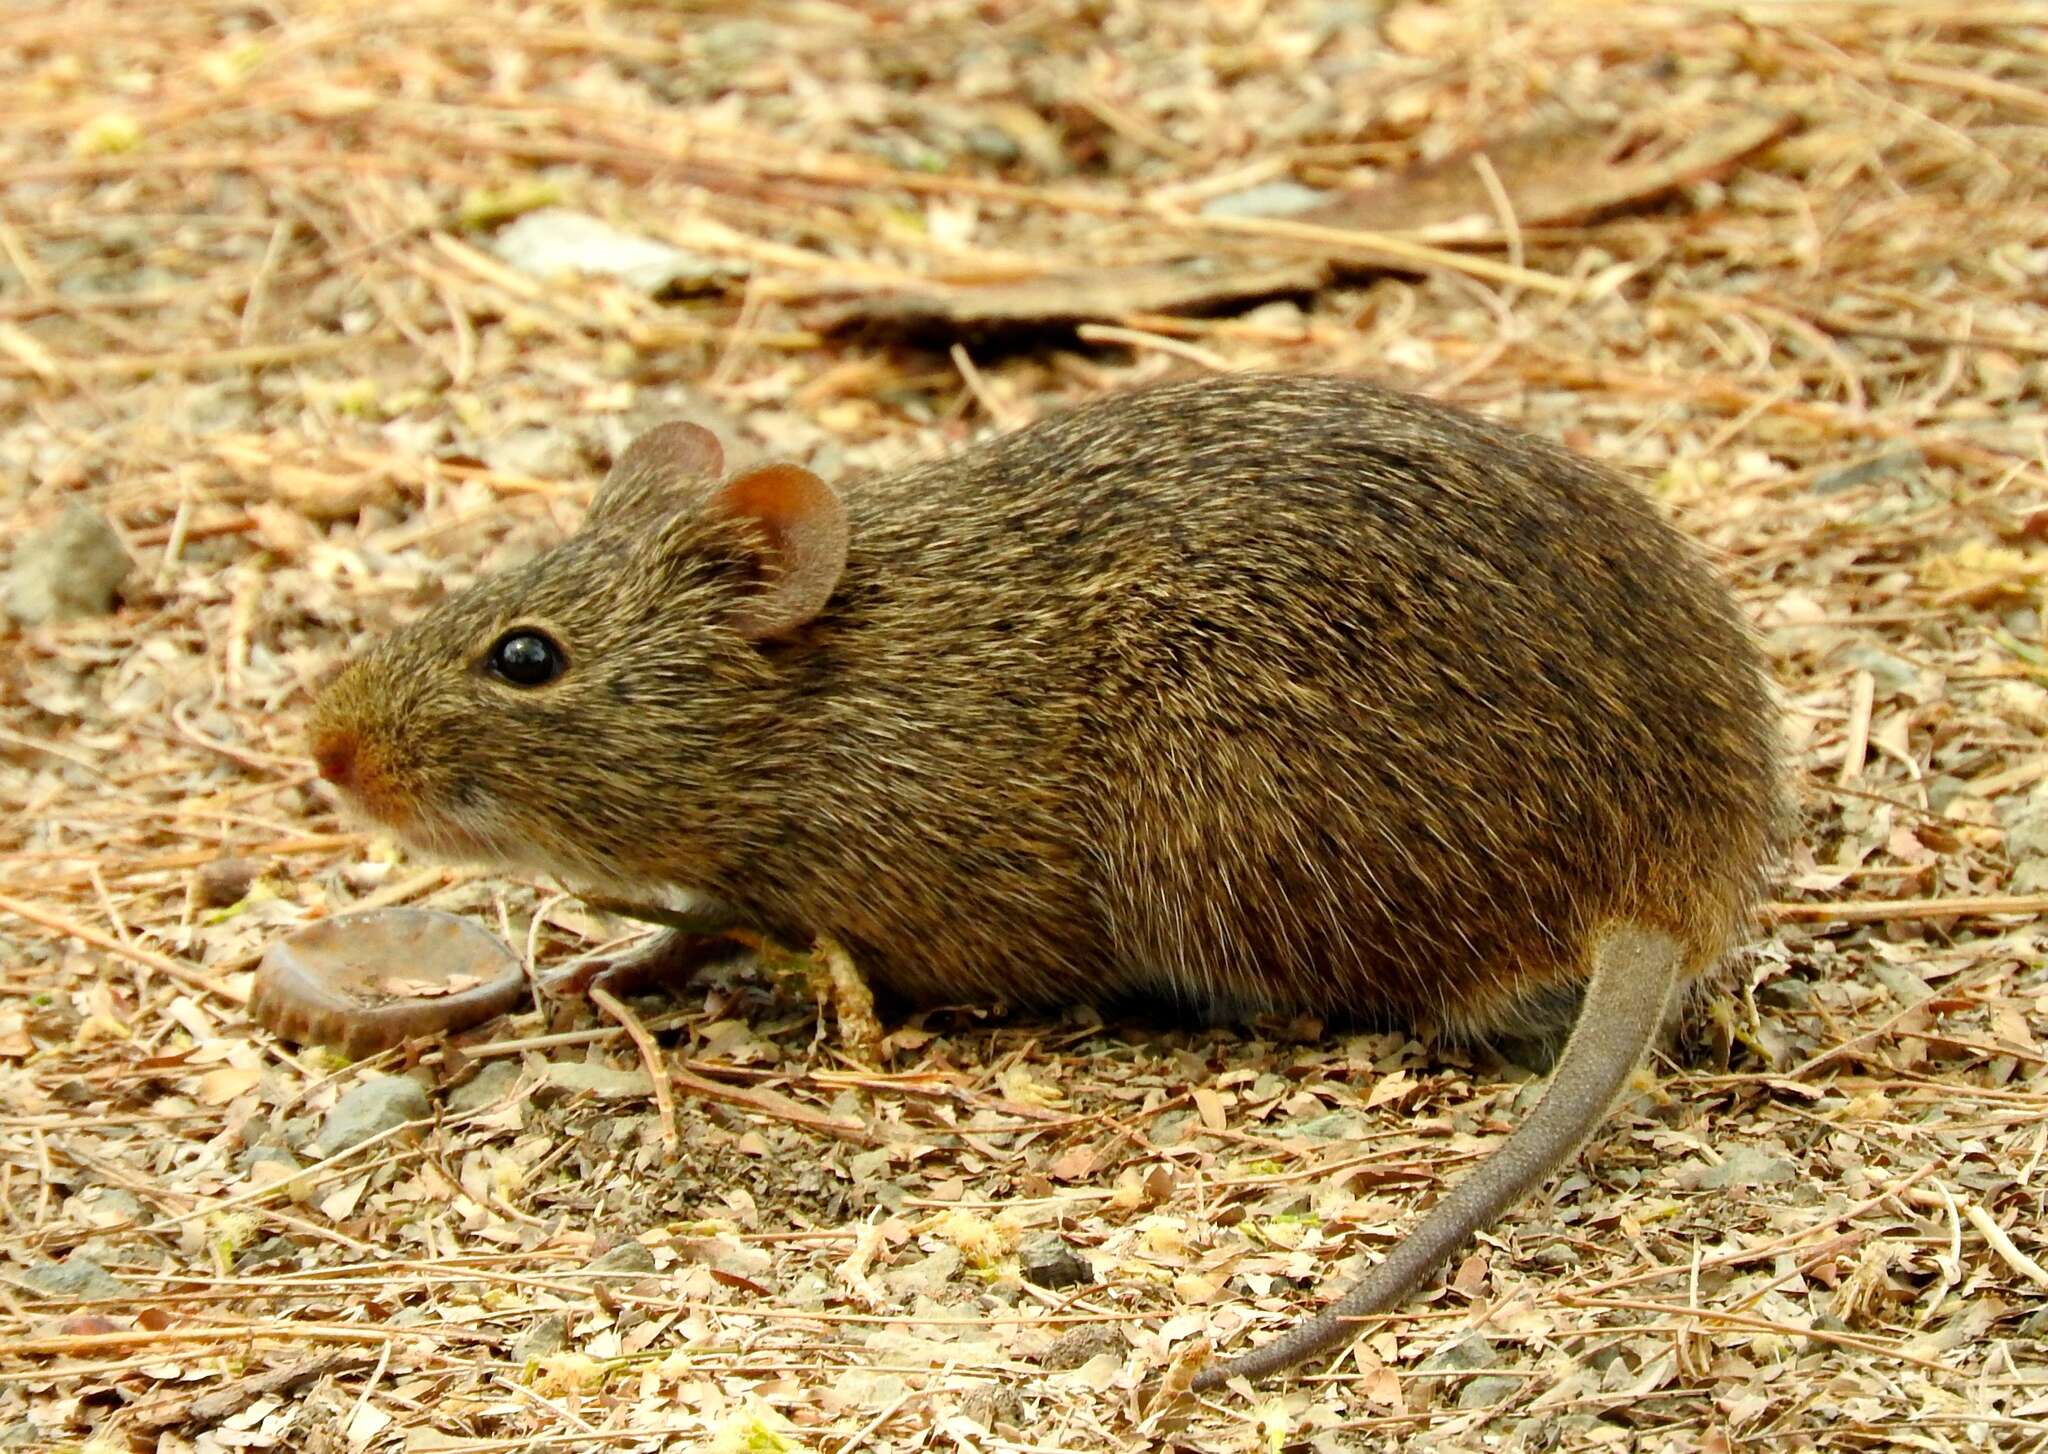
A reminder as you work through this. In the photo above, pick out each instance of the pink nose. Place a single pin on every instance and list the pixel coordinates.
(335, 756)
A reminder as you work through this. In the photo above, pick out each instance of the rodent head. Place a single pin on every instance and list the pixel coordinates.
(511, 723)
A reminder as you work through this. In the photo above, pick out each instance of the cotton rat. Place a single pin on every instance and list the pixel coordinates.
(1265, 692)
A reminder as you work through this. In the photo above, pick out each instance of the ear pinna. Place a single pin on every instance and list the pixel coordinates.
(804, 523)
(665, 459)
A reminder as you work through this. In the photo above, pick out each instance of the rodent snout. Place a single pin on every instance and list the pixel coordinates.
(334, 753)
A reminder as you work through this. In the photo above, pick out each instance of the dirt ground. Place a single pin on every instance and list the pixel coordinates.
(277, 306)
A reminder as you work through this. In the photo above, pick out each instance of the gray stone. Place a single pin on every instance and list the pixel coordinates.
(486, 1088)
(113, 1207)
(268, 1252)
(74, 1277)
(1943, 790)
(996, 1406)
(370, 1109)
(1076, 1346)
(1746, 1166)
(1049, 1262)
(632, 1257)
(1469, 1352)
(1330, 1126)
(555, 240)
(1786, 992)
(1868, 471)
(2026, 827)
(1487, 1390)
(604, 1082)
(543, 1338)
(1268, 199)
(992, 144)
(67, 571)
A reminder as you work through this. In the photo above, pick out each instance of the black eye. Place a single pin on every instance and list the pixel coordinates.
(525, 658)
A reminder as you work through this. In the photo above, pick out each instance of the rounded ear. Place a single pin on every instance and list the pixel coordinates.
(657, 462)
(804, 521)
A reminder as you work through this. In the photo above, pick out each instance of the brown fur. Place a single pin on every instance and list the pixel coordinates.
(1264, 692)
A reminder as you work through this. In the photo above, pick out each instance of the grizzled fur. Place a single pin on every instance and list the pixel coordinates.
(1259, 692)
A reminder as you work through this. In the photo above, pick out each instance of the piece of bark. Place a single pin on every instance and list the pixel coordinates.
(1100, 295)
(1563, 170)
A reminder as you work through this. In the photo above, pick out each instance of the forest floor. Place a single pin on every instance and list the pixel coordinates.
(281, 302)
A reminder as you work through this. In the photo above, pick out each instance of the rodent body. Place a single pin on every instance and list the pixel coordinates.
(1265, 692)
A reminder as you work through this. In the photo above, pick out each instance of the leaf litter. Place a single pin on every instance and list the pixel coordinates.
(1785, 263)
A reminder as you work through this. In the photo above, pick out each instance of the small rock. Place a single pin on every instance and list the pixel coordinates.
(371, 1109)
(1487, 1390)
(2026, 827)
(546, 1337)
(555, 240)
(927, 1276)
(1076, 1346)
(69, 571)
(1268, 199)
(1744, 1166)
(2029, 878)
(1330, 1126)
(633, 1257)
(74, 1277)
(992, 144)
(486, 1088)
(1944, 789)
(224, 881)
(581, 1078)
(1469, 1352)
(1049, 1262)
(269, 1252)
(1786, 992)
(1868, 471)
(110, 1207)
(993, 1406)
(22, 1434)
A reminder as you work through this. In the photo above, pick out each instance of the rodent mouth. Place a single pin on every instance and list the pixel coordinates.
(432, 837)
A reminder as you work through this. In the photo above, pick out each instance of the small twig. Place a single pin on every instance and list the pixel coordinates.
(2002, 1244)
(650, 1054)
(778, 1107)
(1856, 740)
(1137, 338)
(1886, 911)
(1004, 416)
